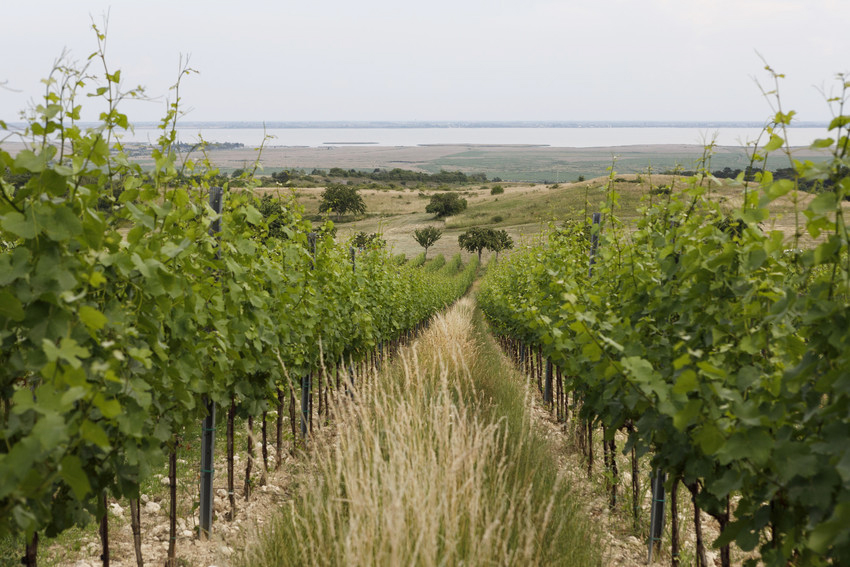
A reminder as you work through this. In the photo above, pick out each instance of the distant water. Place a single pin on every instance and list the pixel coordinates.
(556, 137)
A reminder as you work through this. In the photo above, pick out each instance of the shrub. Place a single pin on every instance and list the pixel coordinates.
(341, 199)
(445, 205)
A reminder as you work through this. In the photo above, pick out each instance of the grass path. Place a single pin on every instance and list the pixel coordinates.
(435, 462)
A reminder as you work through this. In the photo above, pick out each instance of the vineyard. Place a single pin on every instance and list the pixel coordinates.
(710, 345)
(134, 302)
(141, 307)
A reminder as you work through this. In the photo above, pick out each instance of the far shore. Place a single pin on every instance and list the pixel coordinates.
(506, 162)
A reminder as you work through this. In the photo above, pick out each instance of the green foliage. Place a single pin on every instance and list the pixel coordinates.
(454, 265)
(277, 216)
(497, 190)
(445, 205)
(476, 239)
(119, 309)
(713, 348)
(371, 241)
(426, 237)
(435, 264)
(501, 240)
(417, 261)
(341, 199)
(283, 176)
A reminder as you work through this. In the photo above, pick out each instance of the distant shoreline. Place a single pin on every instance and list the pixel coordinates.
(353, 124)
(508, 162)
(455, 145)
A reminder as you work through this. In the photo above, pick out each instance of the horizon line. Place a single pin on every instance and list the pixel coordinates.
(400, 124)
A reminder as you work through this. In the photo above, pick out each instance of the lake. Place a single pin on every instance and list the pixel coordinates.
(579, 137)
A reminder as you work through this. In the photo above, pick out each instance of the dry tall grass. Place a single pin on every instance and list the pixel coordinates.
(419, 475)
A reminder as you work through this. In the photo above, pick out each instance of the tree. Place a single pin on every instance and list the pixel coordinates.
(426, 237)
(341, 199)
(282, 176)
(477, 239)
(362, 240)
(501, 241)
(445, 205)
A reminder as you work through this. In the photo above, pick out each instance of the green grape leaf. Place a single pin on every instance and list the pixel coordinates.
(109, 408)
(10, 306)
(94, 433)
(68, 350)
(72, 472)
(92, 318)
(686, 382)
(63, 224)
(19, 225)
(824, 203)
(774, 143)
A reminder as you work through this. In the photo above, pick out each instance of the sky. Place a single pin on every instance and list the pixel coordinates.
(440, 60)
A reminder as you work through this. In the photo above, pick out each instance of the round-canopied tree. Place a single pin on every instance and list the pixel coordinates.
(476, 239)
(445, 205)
(501, 241)
(426, 237)
(373, 241)
(341, 199)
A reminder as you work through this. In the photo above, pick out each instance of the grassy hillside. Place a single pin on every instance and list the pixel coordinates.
(523, 210)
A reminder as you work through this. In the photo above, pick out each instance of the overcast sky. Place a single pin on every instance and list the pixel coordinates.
(442, 59)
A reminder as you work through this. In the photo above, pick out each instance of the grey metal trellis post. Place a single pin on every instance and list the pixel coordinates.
(594, 242)
(208, 427)
(547, 385)
(307, 380)
(656, 518)
(311, 240)
(305, 402)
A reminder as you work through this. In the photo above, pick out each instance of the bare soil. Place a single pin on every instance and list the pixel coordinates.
(625, 546)
(228, 539)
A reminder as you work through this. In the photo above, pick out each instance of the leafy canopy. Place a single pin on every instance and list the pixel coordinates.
(341, 199)
(372, 241)
(477, 239)
(445, 205)
(427, 237)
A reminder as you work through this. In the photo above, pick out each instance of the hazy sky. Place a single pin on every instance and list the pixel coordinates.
(442, 59)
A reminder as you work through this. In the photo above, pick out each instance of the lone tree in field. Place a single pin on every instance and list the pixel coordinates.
(477, 239)
(341, 199)
(426, 237)
(445, 205)
(372, 241)
(501, 241)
